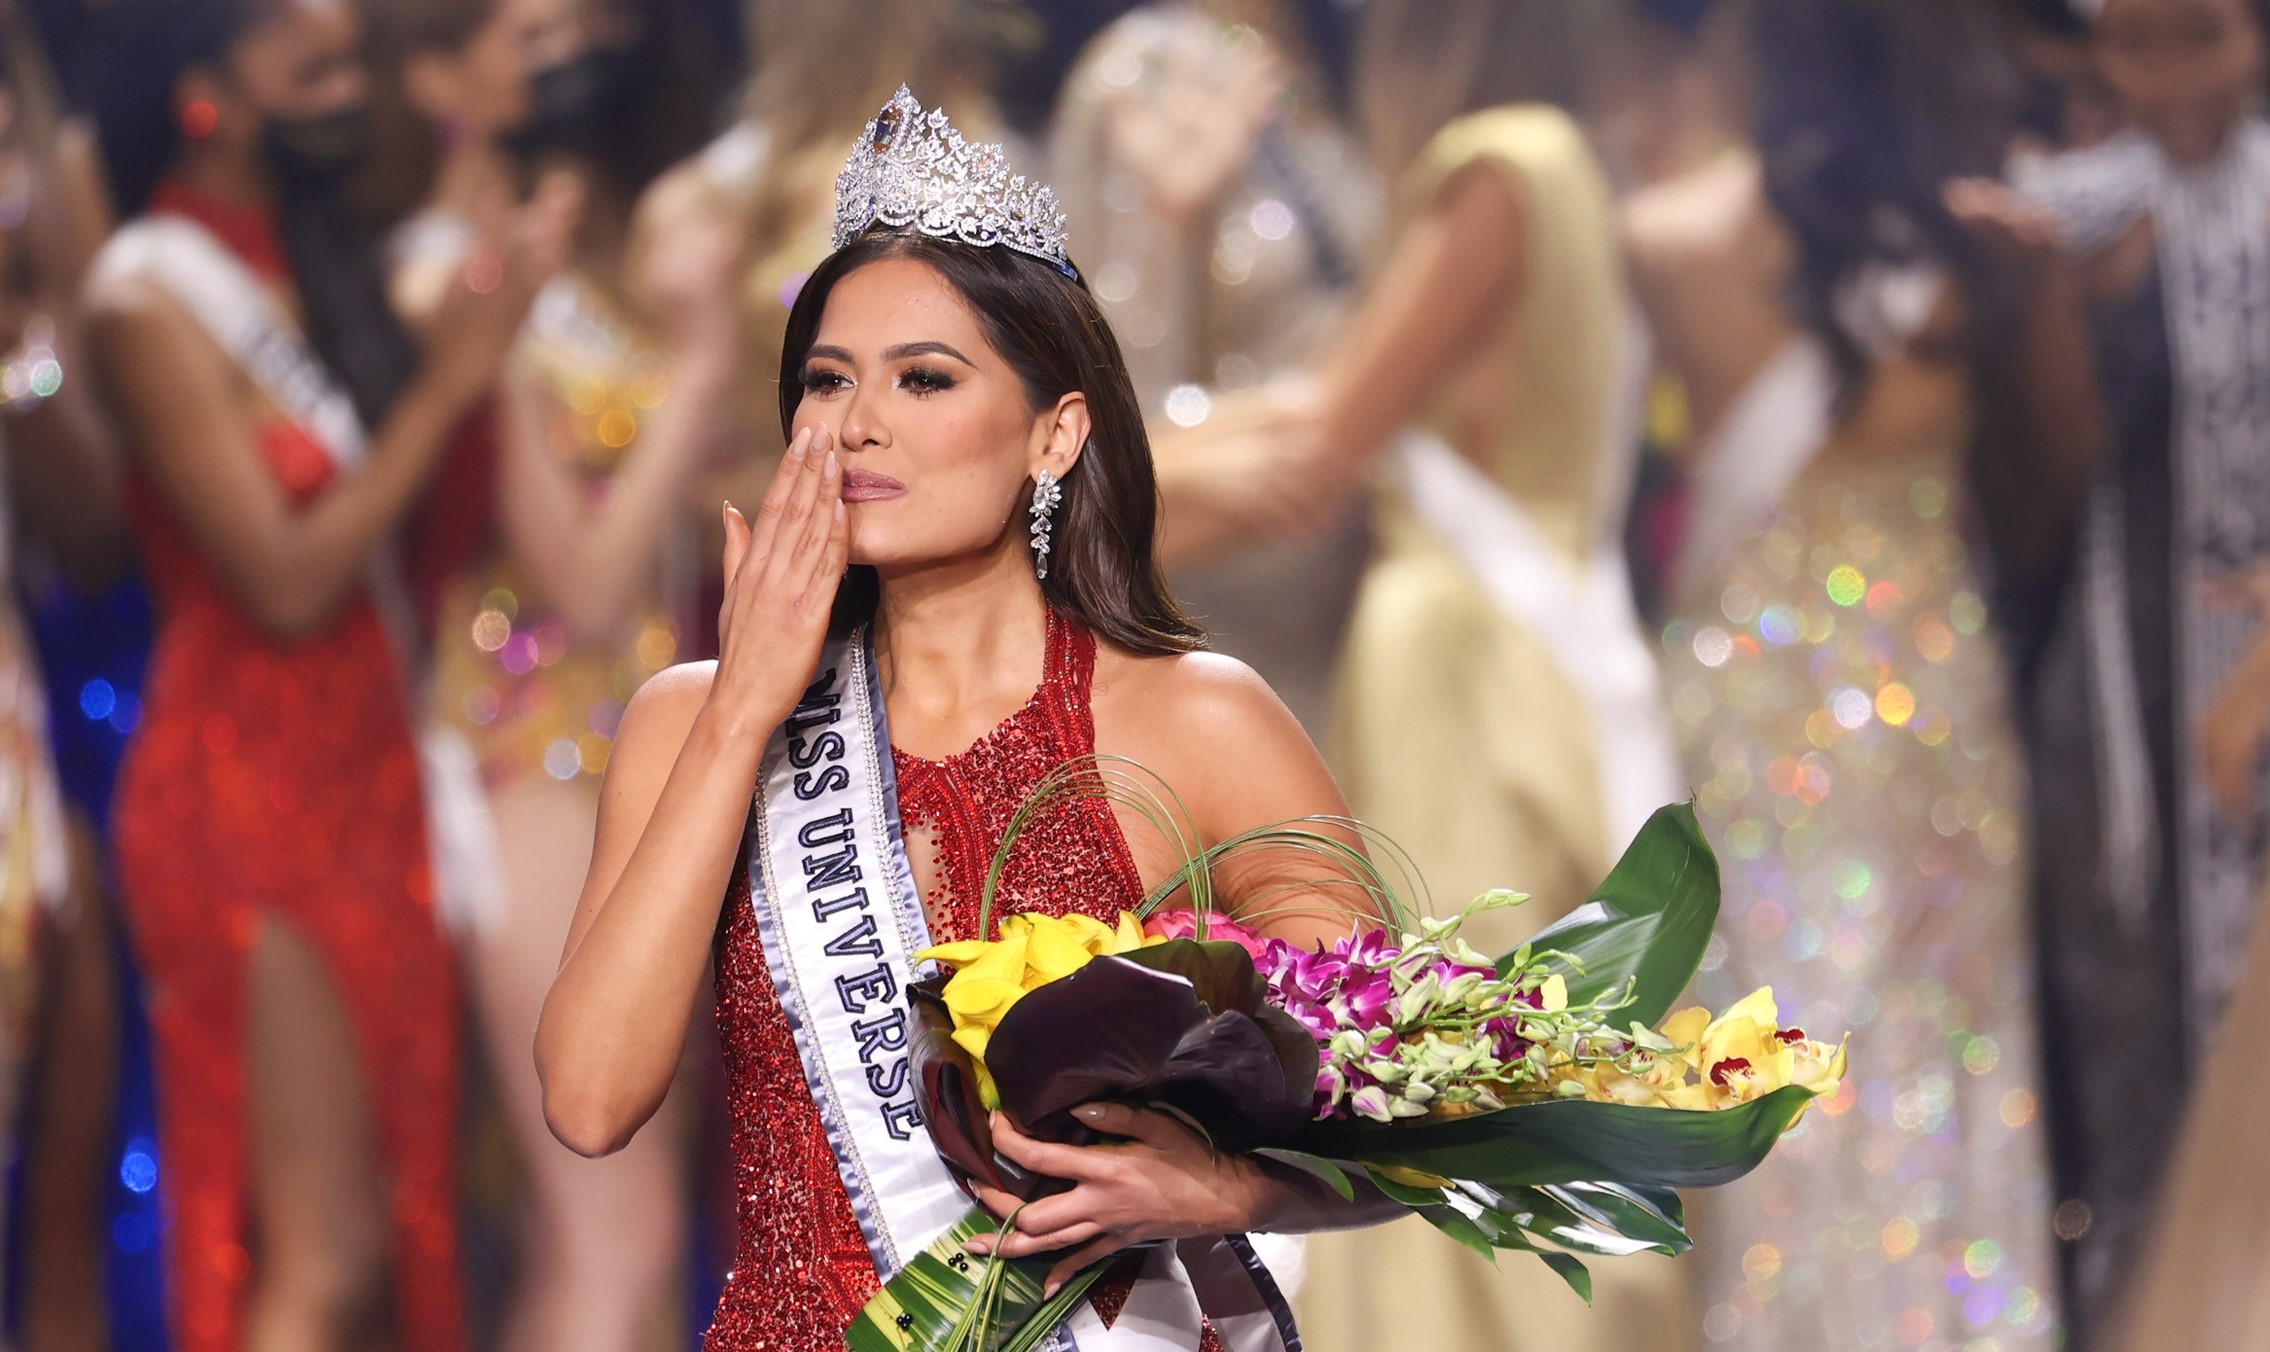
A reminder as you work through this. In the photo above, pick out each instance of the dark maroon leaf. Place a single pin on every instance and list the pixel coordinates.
(1104, 1032)
(1138, 1031)
(960, 1128)
(947, 1082)
(1220, 972)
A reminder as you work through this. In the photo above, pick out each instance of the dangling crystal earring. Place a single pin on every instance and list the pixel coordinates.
(1047, 492)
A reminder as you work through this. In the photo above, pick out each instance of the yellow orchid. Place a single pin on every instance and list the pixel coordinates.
(991, 975)
(1685, 1030)
(1716, 1063)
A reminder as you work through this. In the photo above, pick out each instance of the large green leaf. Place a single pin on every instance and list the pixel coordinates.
(1555, 1224)
(1563, 1218)
(1571, 1141)
(1572, 1271)
(1334, 1177)
(1646, 924)
(1652, 1214)
(1504, 1231)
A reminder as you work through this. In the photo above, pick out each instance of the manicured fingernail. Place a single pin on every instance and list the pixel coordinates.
(835, 466)
(1088, 1112)
(1049, 1291)
(839, 509)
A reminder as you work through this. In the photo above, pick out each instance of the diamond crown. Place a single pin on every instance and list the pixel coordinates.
(911, 168)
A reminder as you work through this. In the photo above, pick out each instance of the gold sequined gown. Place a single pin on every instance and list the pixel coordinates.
(1461, 739)
(1841, 706)
(529, 698)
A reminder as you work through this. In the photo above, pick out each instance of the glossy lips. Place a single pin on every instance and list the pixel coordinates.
(865, 485)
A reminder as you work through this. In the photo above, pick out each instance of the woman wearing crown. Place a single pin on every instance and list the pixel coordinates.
(947, 593)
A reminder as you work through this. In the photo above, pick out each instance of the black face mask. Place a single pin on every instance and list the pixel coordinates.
(579, 106)
(313, 157)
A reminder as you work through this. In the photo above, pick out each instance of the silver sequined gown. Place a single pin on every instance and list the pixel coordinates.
(1254, 290)
(1841, 707)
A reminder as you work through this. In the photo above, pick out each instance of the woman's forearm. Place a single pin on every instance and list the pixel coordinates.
(614, 1025)
(291, 566)
(1292, 1201)
(2067, 423)
(595, 562)
(68, 477)
(318, 556)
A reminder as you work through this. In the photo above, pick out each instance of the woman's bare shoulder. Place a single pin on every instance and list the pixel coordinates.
(135, 308)
(1211, 726)
(1196, 692)
(663, 712)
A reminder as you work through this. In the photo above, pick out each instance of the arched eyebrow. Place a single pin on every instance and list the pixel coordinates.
(924, 349)
(928, 347)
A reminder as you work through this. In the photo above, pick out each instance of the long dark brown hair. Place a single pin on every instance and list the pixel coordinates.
(1864, 110)
(1049, 329)
(334, 254)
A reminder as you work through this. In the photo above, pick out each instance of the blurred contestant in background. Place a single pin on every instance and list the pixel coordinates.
(1499, 711)
(822, 68)
(606, 414)
(1224, 214)
(1842, 704)
(56, 482)
(2165, 223)
(270, 833)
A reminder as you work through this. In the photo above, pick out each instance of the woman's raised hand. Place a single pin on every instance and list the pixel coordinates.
(2020, 232)
(480, 317)
(781, 574)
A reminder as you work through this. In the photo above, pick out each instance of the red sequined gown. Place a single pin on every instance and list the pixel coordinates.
(801, 1270)
(274, 781)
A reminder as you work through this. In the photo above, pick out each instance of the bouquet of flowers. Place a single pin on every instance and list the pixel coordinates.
(1545, 1101)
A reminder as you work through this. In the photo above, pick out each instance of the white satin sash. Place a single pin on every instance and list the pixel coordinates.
(1583, 613)
(239, 313)
(1750, 459)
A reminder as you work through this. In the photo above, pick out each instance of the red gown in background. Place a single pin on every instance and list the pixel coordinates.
(275, 781)
(801, 1270)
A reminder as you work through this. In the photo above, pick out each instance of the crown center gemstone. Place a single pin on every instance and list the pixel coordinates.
(886, 128)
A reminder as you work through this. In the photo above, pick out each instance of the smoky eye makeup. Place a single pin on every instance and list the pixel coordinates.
(922, 380)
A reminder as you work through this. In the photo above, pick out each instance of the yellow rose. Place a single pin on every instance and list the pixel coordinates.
(1129, 936)
(991, 975)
